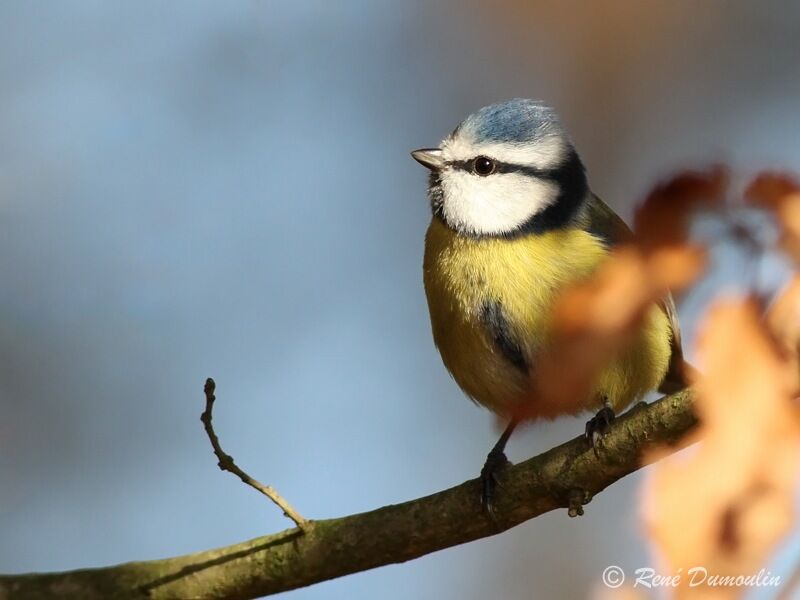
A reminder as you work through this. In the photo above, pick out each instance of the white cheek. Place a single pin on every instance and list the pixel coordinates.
(495, 204)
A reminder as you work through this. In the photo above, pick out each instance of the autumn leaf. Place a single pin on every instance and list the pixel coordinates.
(726, 503)
(597, 319)
(780, 194)
(783, 319)
(662, 220)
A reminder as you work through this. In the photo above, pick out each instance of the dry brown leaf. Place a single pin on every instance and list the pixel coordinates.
(610, 300)
(770, 187)
(663, 218)
(674, 268)
(595, 320)
(783, 319)
(780, 194)
(726, 503)
(592, 320)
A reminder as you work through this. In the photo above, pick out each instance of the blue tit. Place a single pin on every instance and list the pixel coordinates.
(514, 222)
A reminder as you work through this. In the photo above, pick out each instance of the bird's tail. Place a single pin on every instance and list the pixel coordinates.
(679, 376)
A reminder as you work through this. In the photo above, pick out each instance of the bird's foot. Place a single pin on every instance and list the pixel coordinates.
(598, 425)
(496, 461)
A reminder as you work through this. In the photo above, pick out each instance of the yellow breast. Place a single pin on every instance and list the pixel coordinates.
(525, 276)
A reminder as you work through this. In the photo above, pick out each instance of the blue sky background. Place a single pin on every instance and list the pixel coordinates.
(199, 189)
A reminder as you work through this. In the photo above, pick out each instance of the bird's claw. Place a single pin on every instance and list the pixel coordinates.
(495, 462)
(598, 425)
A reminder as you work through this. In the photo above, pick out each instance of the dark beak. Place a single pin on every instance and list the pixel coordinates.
(429, 157)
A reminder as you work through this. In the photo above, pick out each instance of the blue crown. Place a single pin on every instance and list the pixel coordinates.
(517, 121)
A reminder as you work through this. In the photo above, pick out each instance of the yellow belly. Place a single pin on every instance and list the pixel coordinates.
(525, 275)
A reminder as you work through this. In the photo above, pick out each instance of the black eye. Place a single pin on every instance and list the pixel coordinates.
(483, 166)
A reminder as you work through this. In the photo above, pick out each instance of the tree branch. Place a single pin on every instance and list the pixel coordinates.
(226, 462)
(334, 547)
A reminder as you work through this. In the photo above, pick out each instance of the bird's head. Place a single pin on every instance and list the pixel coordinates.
(508, 169)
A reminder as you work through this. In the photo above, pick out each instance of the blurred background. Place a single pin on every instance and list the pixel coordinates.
(199, 189)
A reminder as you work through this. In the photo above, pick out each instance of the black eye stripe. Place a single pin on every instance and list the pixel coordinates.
(504, 167)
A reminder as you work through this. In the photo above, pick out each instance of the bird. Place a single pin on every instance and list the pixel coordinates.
(513, 223)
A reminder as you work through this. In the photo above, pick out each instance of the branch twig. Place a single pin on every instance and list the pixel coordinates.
(226, 462)
(392, 534)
